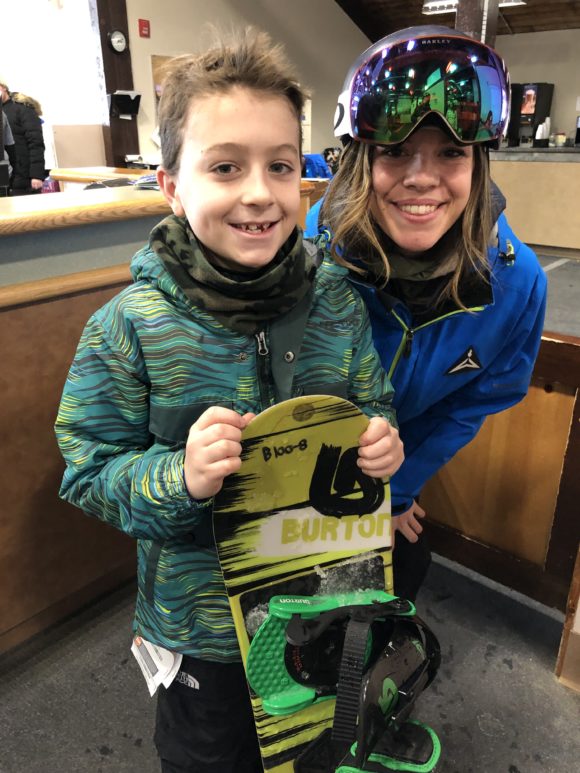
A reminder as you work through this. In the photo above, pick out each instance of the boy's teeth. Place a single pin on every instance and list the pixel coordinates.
(254, 226)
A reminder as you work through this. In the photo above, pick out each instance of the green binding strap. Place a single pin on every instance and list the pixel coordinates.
(266, 669)
(382, 763)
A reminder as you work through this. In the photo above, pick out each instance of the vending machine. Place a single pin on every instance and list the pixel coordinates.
(530, 106)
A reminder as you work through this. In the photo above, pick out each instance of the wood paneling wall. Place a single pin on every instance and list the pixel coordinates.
(53, 559)
(507, 504)
(550, 221)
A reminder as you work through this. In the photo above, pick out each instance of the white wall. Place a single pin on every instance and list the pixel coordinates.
(318, 36)
(548, 57)
(58, 60)
(50, 51)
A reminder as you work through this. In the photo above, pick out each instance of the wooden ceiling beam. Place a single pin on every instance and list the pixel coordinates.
(377, 18)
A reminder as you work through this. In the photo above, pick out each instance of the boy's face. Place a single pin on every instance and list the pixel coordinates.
(238, 182)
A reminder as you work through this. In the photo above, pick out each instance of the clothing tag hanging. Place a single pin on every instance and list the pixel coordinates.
(159, 666)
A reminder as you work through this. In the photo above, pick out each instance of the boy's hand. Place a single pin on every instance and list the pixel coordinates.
(213, 450)
(408, 524)
(380, 450)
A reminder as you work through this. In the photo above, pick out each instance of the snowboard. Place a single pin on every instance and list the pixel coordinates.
(299, 519)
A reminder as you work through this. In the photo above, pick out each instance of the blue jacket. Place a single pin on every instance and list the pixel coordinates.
(450, 373)
(315, 166)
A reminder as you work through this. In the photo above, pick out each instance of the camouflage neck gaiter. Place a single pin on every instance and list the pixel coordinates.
(242, 302)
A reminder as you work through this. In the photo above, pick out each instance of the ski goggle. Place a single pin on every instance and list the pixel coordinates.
(425, 71)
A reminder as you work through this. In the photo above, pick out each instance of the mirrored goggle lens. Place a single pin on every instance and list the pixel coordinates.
(399, 85)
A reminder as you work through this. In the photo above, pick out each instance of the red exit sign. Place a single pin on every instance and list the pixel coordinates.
(144, 28)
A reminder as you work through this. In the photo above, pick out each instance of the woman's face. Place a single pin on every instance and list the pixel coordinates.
(420, 188)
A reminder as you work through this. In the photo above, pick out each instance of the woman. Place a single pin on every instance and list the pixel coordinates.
(456, 300)
(47, 135)
(28, 168)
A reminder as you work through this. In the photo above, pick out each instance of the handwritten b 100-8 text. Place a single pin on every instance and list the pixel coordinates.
(277, 451)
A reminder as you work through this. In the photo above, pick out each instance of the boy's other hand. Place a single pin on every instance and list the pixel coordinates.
(213, 450)
(380, 450)
(407, 522)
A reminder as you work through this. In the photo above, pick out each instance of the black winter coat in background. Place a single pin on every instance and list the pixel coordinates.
(28, 145)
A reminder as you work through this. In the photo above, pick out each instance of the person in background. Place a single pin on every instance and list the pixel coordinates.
(422, 108)
(29, 166)
(47, 133)
(8, 143)
(314, 165)
(456, 300)
(332, 158)
(170, 371)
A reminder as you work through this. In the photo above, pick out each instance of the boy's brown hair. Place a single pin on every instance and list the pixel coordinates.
(249, 60)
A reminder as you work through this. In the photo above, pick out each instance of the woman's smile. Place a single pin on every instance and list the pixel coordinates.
(417, 208)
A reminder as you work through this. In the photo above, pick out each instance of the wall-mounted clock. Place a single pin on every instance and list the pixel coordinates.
(118, 41)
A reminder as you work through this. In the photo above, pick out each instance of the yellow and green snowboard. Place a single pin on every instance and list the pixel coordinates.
(298, 520)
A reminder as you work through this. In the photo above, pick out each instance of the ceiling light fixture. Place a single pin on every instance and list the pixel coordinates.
(431, 7)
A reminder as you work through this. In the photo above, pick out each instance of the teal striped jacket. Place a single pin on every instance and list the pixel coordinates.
(147, 365)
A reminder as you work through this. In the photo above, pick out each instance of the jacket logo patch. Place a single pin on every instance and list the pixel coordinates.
(187, 679)
(468, 361)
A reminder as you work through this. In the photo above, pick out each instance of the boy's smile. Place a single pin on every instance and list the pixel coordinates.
(238, 182)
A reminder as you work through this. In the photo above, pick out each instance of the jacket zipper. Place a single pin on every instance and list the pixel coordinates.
(409, 335)
(406, 345)
(262, 343)
(262, 368)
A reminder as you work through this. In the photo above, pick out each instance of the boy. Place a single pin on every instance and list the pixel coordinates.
(227, 315)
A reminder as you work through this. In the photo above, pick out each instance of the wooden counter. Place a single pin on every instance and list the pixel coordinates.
(22, 214)
(543, 195)
(92, 174)
(55, 234)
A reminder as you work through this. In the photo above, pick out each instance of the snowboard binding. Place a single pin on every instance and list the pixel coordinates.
(371, 652)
